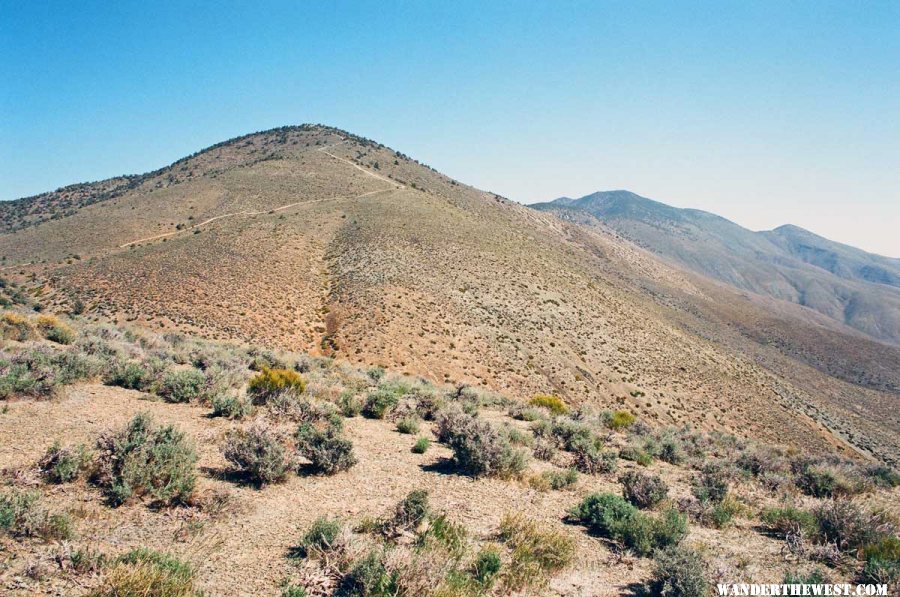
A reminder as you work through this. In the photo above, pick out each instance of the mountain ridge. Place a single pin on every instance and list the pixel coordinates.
(857, 288)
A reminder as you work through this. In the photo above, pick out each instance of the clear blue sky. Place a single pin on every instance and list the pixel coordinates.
(764, 112)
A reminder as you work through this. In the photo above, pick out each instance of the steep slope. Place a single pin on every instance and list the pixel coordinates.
(313, 239)
(851, 286)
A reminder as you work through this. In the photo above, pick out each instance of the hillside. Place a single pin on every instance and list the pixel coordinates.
(312, 239)
(846, 284)
(134, 463)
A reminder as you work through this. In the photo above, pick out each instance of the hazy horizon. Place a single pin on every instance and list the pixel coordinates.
(765, 114)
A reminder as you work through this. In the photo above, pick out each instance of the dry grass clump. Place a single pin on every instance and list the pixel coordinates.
(53, 329)
(17, 327)
(537, 552)
(147, 572)
(143, 459)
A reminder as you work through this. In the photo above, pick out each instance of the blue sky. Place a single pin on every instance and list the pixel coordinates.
(763, 112)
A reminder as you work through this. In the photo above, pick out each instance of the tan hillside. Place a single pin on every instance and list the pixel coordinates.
(308, 238)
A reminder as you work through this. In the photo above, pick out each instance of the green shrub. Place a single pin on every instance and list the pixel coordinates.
(269, 382)
(479, 449)
(410, 512)
(486, 567)
(711, 486)
(147, 572)
(290, 590)
(370, 577)
(789, 520)
(408, 425)
(554, 404)
(883, 476)
(379, 403)
(327, 449)
(521, 413)
(557, 479)
(421, 445)
(321, 536)
(882, 559)
(611, 516)
(844, 524)
(537, 551)
(258, 453)
(566, 433)
(643, 490)
(143, 459)
(131, 375)
(231, 407)
(619, 420)
(182, 386)
(350, 404)
(679, 572)
(816, 577)
(671, 451)
(35, 373)
(62, 465)
(23, 515)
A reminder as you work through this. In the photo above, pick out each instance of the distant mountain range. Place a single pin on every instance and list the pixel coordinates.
(856, 288)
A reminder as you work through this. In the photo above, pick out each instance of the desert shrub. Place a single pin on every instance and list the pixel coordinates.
(289, 405)
(231, 406)
(428, 403)
(321, 536)
(517, 437)
(636, 454)
(290, 590)
(611, 516)
(679, 572)
(23, 515)
(147, 572)
(131, 375)
(846, 525)
(486, 567)
(566, 433)
(62, 465)
(258, 453)
(55, 330)
(421, 445)
(40, 372)
(816, 577)
(521, 412)
(269, 382)
(711, 485)
(478, 448)
(590, 459)
(326, 448)
(16, 327)
(789, 520)
(882, 559)
(883, 476)
(537, 551)
(643, 490)
(824, 479)
(350, 404)
(370, 577)
(618, 420)
(557, 479)
(410, 512)
(670, 450)
(543, 450)
(408, 425)
(182, 386)
(143, 459)
(554, 404)
(720, 514)
(379, 403)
